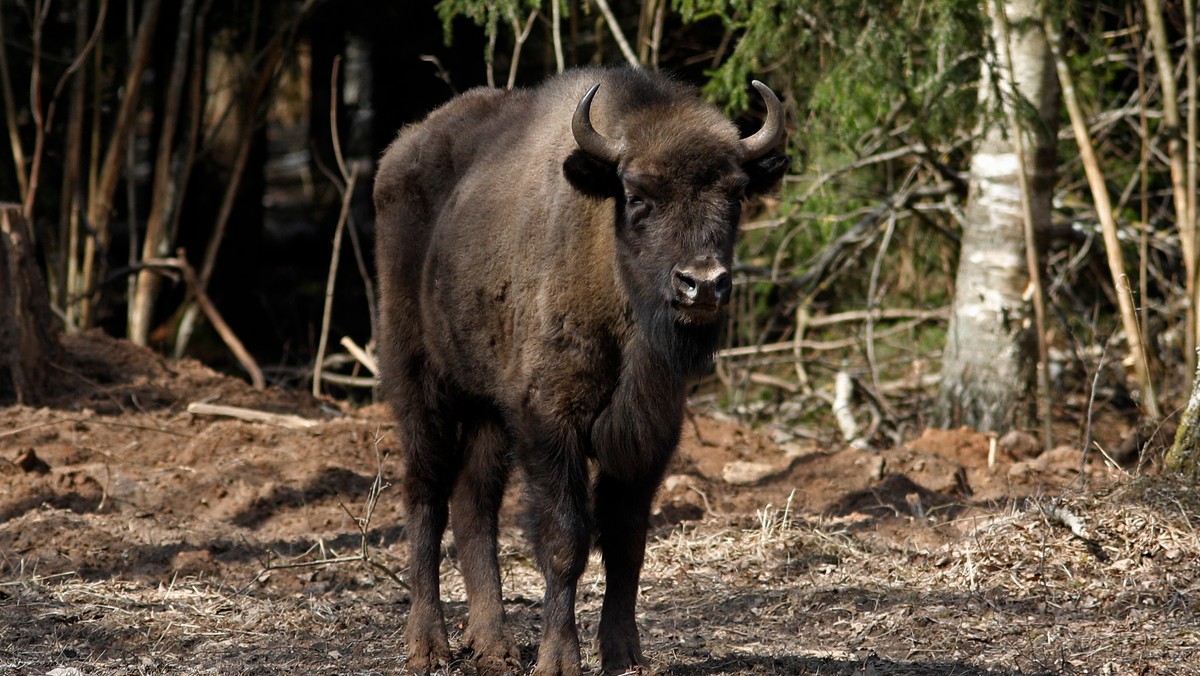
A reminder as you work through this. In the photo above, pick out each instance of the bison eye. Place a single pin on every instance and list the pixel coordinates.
(637, 208)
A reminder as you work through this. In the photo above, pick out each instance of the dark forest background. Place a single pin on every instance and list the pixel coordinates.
(257, 80)
(243, 134)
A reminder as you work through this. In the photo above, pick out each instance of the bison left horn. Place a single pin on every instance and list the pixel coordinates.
(590, 140)
(771, 134)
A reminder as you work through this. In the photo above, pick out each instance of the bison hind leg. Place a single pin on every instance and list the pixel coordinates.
(475, 519)
(431, 467)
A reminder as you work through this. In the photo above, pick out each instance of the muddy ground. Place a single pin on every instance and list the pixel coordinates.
(139, 538)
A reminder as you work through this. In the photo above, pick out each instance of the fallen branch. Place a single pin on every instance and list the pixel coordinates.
(352, 381)
(1064, 517)
(360, 354)
(772, 381)
(286, 420)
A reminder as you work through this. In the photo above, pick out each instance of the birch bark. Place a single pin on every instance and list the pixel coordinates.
(990, 354)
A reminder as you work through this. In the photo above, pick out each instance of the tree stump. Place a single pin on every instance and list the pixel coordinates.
(28, 341)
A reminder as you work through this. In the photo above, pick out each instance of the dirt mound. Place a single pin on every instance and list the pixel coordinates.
(136, 536)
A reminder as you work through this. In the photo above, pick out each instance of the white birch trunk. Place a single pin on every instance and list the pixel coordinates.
(990, 353)
(1184, 456)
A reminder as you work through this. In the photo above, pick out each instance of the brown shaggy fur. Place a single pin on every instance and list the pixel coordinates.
(528, 317)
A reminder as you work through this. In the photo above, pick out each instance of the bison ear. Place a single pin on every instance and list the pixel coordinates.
(766, 171)
(591, 176)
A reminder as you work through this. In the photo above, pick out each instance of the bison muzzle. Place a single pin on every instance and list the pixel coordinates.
(553, 263)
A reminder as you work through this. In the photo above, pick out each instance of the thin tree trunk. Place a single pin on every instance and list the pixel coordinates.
(246, 127)
(166, 191)
(556, 34)
(1184, 456)
(239, 140)
(618, 35)
(68, 228)
(10, 118)
(195, 120)
(78, 308)
(1189, 12)
(100, 206)
(35, 107)
(988, 364)
(1031, 253)
(1173, 132)
(1108, 225)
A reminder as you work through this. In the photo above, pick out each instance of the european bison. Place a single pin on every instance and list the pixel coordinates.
(552, 264)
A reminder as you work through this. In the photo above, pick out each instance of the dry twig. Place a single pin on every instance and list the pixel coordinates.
(363, 524)
(360, 354)
(615, 27)
(291, 422)
(350, 177)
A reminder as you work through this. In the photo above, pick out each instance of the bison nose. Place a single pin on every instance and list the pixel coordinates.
(704, 282)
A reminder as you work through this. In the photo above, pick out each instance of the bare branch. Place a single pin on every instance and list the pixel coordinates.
(615, 28)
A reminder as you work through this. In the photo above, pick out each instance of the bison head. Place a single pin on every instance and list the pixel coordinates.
(678, 175)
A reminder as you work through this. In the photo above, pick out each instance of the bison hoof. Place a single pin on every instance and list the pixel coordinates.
(558, 665)
(621, 651)
(496, 665)
(427, 655)
(494, 657)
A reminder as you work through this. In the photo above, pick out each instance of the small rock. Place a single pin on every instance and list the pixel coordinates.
(1060, 459)
(1020, 445)
(1020, 469)
(742, 473)
(781, 436)
(677, 481)
(29, 463)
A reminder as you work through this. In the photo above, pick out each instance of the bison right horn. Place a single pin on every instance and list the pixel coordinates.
(590, 141)
(771, 134)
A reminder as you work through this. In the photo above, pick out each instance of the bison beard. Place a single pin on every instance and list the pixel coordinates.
(552, 265)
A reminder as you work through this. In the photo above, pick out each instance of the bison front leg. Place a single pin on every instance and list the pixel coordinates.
(474, 517)
(558, 518)
(622, 518)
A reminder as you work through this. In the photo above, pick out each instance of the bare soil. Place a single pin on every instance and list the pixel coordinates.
(136, 538)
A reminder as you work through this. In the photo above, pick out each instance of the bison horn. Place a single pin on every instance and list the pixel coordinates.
(771, 134)
(590, 141)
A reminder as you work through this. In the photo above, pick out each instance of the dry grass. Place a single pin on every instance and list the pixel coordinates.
(1013, 591)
